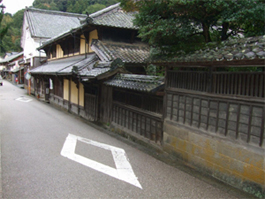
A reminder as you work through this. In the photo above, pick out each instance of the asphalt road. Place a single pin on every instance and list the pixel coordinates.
(48, 153)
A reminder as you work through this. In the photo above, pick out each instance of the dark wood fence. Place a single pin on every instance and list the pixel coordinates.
(142, 122)
(235, 118)
(91, 106)
(251, 84)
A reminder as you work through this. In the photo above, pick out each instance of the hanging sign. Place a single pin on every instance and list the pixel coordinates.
(27, 76)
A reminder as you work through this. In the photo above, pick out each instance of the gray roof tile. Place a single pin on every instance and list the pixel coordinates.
(64, 66)
(113, 16)
(143, 83)
(252, 48)
(47, 23)
(11, 57)
(128, 53)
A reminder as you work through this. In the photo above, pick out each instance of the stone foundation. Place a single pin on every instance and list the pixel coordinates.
(238, 164)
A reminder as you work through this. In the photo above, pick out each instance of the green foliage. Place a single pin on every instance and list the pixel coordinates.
(75, 6)
(11, 40)
(11, 26)
(3, 29)
(94, 8)
(173, 25)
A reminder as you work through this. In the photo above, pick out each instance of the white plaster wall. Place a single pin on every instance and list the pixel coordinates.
(30, 44)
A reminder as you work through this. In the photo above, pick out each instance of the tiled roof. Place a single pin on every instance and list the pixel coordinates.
(99, 69)
(143, 83)
(96, 72)
(65, 65)
(229, 52)
(128, 53)
(11, 57)
(47, 23)
(113, 16)
(84, 64)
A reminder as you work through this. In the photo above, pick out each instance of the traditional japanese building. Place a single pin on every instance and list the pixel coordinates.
(39, 26)
(83, 61)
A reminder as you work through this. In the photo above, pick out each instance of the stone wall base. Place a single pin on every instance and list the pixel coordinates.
(241, 166)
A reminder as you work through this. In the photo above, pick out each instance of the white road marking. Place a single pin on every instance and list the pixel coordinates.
(23, 99)
(123, 169)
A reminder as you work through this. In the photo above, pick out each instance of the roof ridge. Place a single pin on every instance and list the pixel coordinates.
(136, 44)
(105, 10)
(55, 12)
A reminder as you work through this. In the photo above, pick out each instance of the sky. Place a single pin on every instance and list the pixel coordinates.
(12, 6)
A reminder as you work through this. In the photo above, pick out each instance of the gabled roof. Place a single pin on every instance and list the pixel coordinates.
(143, 83)
(243, 51)
(112, 16)
(48, 23)
(11, 57)
(128, 53)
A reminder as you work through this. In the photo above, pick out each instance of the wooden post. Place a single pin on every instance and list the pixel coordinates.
(29, 86)
(69, 95)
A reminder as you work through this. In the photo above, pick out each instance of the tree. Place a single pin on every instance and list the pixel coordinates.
(94, 8)
(3, 29)
(174, 24)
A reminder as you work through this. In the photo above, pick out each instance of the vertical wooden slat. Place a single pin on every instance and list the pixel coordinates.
(261, 85)
(232, 84)
(188, 82)
(249, 123)
(141, 125)
(238, 120)
(171, 110)
(217, 84)
(145, 131)
(227, 118)
(150, 129)
(199, 82)
(208, 115)
(256, 84)
(239, 85)
(251, 89)
(262, 128)
(228, 84)
(247, 85)
(191, 113)
(217, 117)
(168, 80)
(184, 114)
(194, 81)
(137, 122)
(214, 83)
(113, 114)
(221, 84)
(225, 84)
(236, 84)
(209, 83)
(200, 109)
(178, 108)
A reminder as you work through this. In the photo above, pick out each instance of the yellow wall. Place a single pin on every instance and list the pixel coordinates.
(83, 45)
(66, 89)
(92, 35)
(229, 162)
(74, 93)
(81, 94)
(59, 51)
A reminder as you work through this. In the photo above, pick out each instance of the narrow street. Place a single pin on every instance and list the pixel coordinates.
(48, 153)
